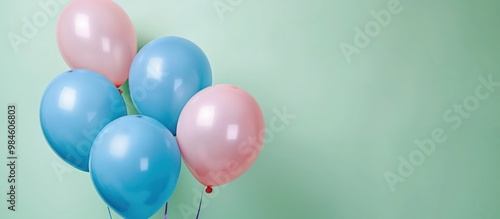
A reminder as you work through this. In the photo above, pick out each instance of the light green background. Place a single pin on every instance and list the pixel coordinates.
(353, 120)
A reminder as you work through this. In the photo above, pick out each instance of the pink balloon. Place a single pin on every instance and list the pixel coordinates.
(220, 134)
(97, 35)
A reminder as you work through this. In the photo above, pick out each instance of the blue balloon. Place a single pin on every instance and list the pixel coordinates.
(164, 75)
(75, 107)
(135, 164)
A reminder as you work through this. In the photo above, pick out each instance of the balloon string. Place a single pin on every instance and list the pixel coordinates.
(109, 212)
(199, 206)
(165, 214)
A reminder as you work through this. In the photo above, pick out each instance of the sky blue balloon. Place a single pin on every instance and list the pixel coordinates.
(164, 75)
(75, 107)
(135, 164)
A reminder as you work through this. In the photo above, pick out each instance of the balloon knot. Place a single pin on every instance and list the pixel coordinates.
(208, 190)
(120, 90)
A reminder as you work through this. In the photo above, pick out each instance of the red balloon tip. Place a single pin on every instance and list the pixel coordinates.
(120, 91)
(208, 190)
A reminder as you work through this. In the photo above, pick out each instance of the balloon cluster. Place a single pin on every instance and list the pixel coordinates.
(134, 160)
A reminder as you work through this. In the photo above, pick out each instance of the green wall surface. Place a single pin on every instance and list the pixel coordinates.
(368, 116)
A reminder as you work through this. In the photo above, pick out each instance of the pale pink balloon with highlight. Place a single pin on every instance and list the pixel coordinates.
(220, 134)
(97, 35)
